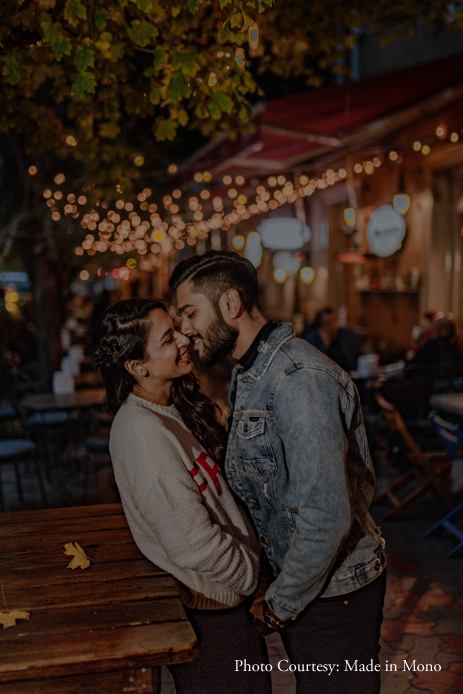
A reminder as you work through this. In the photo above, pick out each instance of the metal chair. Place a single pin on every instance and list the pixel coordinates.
(451, 437)
(52, 431)
(14, 452)
(427, 472)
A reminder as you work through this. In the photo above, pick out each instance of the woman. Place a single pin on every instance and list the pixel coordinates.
(165, 444)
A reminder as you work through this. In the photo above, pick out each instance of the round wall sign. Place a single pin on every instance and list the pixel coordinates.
(386, 231)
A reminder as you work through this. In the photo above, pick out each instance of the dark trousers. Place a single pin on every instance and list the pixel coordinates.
(228, 646)
(342, 632)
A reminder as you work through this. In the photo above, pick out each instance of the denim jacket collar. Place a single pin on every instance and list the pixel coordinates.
(267, 351)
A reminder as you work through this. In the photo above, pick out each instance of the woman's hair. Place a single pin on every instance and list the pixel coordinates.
(121, 333)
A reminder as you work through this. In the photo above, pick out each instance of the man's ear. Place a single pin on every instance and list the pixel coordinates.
(230, 304)
(135, 368)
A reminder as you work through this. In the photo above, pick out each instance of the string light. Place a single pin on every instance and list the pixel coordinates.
(132, 234)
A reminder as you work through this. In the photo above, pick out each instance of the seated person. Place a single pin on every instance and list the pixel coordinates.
(441, 354)
(339, 344)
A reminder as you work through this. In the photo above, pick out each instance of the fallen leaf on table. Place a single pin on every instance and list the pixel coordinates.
(8, 619)
(80, 558)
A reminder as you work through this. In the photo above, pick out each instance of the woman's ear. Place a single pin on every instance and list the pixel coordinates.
(135, 368)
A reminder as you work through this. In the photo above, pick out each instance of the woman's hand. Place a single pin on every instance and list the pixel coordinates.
(259, 597)
(257, 609)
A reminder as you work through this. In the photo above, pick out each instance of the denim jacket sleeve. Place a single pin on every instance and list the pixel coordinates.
(312, 416)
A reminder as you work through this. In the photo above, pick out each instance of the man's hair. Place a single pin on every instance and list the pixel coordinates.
(327, 311)
(214, 272)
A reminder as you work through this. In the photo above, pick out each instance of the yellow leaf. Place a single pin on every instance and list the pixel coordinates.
(80, 558)
(8, 619)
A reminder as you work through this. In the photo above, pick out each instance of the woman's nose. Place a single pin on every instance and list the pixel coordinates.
(181, 339)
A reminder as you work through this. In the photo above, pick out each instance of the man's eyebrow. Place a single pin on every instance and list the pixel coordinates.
(182, 309)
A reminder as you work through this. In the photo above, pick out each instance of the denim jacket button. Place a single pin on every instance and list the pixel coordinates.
(377, 566)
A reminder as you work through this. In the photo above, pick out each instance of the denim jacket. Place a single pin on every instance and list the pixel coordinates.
(298, 457)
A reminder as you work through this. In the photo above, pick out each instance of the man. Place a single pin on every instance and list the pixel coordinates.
(339, 344)
(298, 457)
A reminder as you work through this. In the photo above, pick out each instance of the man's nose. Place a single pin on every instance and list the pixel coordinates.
(185, 326)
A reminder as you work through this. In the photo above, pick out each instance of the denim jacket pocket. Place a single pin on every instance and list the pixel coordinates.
(254, 447)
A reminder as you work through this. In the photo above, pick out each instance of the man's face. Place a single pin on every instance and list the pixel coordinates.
(211, 336)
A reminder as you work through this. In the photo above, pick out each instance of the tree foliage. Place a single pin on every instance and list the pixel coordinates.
(309, 39)
(78, 75)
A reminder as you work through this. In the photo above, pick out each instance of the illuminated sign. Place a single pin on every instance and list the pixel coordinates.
(284, 233)
(386, 231)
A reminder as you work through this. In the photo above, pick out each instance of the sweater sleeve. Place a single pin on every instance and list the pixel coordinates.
(173, 509)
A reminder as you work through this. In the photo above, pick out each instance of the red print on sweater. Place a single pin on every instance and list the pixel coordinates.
(212, 470)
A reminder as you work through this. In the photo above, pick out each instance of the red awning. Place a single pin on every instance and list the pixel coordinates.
(307, 126)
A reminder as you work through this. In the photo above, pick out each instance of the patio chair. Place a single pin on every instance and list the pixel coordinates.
(451, 437)
(52, 431)
(427, 472)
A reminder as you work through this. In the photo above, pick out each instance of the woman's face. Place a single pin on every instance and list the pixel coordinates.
(167, 349)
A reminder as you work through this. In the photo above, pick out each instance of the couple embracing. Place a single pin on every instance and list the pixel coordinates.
(264, 524)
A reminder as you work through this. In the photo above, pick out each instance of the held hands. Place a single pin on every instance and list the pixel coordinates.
(265, 619)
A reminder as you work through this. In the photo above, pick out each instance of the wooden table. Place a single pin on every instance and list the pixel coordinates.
(107, 629)
(448, 402)
(87, 397)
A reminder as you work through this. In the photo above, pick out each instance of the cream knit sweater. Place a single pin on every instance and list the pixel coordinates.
(178, 506)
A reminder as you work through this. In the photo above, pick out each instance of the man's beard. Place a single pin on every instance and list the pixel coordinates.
(219, 341)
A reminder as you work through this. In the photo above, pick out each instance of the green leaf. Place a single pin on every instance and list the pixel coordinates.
(223, 102)
(193, 6)
(101, 17)
(186, 63)
(215, 111)
(177, 88)
(46, 23)
(244, 113)
(155, 95)
(74, 11)
(144, 5)
(223, 3)
(142, 32)
(12, 67)
(83, 83)
(109, 130)
(247, 21)
(45, 5)
(175, 11)
(159, 59)
(165, 129)
(84, 57)
(61, 46)
(183, 117)
(53, 33)
(236, 20)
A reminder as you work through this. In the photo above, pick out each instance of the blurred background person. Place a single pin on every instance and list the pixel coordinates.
(339, 344)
